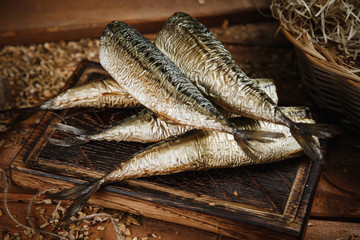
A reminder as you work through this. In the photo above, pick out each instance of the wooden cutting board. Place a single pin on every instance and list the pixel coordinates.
(271, 200)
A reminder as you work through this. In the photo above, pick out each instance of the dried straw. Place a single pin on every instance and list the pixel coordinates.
(33, 228)
(323, 21)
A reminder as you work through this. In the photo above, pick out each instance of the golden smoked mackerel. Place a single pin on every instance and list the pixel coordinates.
(146, 126)
(98, 94)
(152, 79)
(206, 62)
(195, 150)
(108, 93)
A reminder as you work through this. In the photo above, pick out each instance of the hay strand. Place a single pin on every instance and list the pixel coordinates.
(324, 21)
(32, 226)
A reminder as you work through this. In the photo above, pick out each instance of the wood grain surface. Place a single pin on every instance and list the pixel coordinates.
(335, 209)
(49, 20)
(273, 199)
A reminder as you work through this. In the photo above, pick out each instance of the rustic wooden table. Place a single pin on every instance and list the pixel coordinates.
(335, 211)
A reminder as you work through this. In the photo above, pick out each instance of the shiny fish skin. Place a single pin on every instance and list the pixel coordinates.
(108, 94)
(197, 52)
(151, 78)
(196, 150)
(99, 94)
(145, 126)
(207, 63)
(267, 85)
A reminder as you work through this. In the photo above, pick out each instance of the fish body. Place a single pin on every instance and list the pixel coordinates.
(146, 126)
(210, 66)
(151, 78)
(108, 93)
(195, 150)
(207, 63)
(100, 94)
(268, 86)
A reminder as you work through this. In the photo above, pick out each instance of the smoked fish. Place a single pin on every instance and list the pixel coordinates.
(207, 63)
(195, 150)
(146, 126)
(97, 94)
(150, 77)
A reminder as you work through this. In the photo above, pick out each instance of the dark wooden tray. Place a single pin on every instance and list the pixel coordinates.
(271, 200)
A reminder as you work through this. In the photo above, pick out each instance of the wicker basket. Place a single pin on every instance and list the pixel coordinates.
(329, 84)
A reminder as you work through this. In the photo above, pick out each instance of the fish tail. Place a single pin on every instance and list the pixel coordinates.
(242, 137)
(68, 129)
(80, 194)
(78, 136)
(305, 134)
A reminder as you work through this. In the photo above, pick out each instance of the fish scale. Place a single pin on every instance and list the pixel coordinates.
(150, 77)
(145, 126)
(195, 150)
(212, 69)
(155, 67)
(207, 63)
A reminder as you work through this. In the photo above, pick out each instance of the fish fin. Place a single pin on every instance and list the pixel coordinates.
(310, 146)
(68, 129)
(264, 136)
(70, 142)
(242, 137)
(305, 134)
(78, 136)
(248, 150)
(80, 194)
(319, 130)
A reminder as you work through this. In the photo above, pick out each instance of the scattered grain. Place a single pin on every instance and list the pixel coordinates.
(81, 214)
(44, 225)
(63, 233)
(47, 201)
(225, 24)
(36, 72)
(29, 232)
(132, 220)
(71, 236)
(100, 228)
